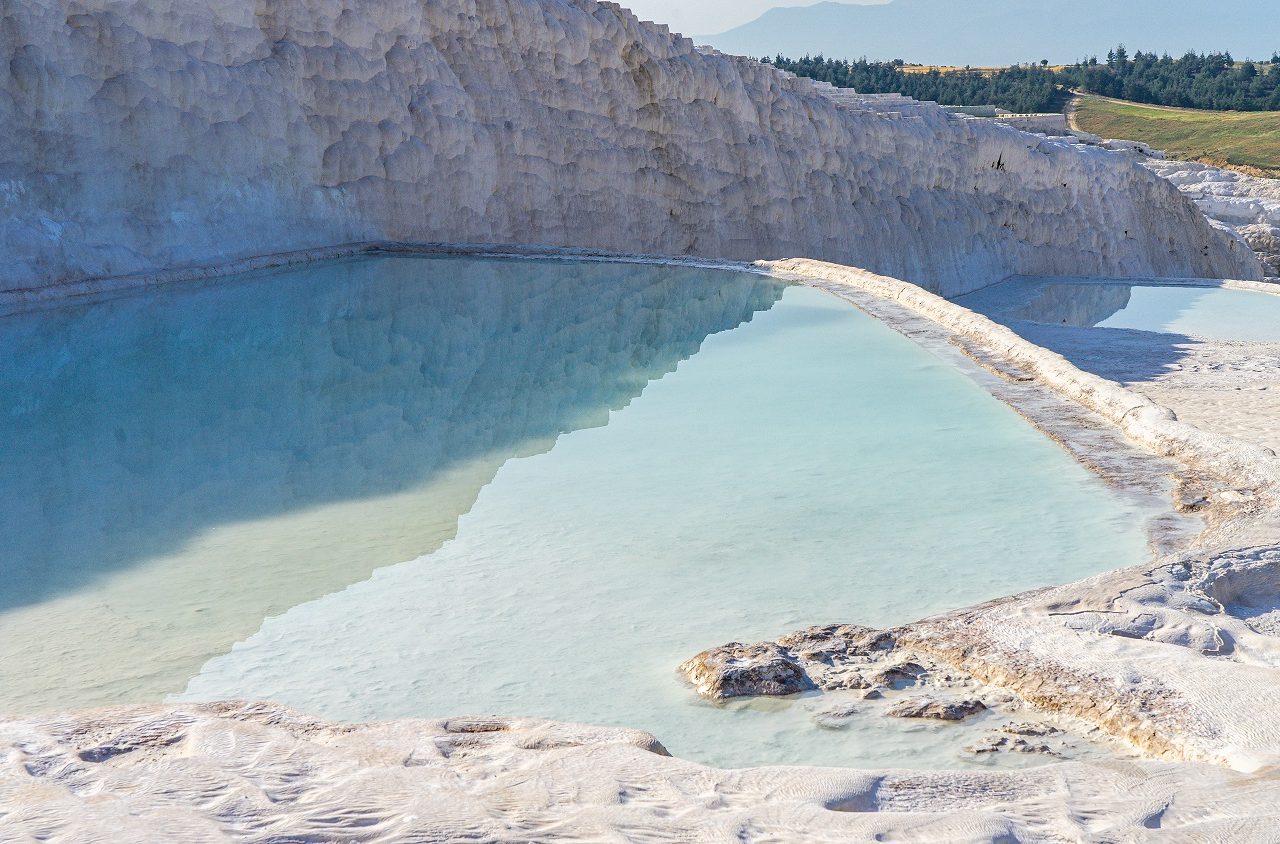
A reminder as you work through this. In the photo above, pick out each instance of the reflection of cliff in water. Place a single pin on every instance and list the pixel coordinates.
(1080, 305)
(281, 438)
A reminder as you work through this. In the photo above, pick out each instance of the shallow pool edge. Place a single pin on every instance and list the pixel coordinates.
(1066, 650)
(21, 300)
(977, 640)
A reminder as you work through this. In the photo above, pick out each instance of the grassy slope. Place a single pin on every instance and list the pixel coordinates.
(1244, 140)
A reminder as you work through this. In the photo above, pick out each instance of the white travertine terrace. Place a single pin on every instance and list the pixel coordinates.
(1220, 385)
(143, 135)
(1155, 428)
(1177, 658)
(140, 138)
(1207, 613)
(1248, 204)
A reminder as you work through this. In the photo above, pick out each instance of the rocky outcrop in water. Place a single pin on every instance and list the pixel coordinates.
(738, 670)
(137, 136)
(936, 710)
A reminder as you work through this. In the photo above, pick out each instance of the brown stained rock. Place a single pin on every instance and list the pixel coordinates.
(738, 670)
(780, 668)
(1030, 729)
(937, 710)
(823, 644)
(901, 676)
(996, 743)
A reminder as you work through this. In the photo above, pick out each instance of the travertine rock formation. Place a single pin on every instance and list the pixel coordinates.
(937, 710)
(1177, 658)
(1248, 204)
(738, 670)
(261, 773)
(137, 135)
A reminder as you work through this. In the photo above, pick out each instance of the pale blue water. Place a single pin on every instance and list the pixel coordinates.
(405, 487)
(1206, 312)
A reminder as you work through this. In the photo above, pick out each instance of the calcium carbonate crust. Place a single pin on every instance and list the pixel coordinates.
(1177, 658)
(153, 141)
(1144, 422)
(145, 135)
(1249, 205)
(257, 772)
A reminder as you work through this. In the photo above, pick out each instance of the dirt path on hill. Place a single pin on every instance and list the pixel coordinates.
(1069, 110)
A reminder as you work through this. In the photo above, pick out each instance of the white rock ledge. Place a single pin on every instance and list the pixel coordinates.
(1154, 427)
(1178, 658)
(1249, 205)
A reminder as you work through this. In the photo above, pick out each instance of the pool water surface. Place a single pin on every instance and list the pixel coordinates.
(405, 487)
(1211, 313)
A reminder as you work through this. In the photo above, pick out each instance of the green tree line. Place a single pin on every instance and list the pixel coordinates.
(1208, 81)
(1204, 81)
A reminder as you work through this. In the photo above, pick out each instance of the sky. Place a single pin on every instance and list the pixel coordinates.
(708, 17)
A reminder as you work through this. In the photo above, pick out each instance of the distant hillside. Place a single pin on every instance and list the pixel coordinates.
(1002, 32)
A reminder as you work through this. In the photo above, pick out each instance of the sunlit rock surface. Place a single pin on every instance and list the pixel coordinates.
(738, 670)
(262, 773)
(137, 136)
(937, 710)
(1248, 204)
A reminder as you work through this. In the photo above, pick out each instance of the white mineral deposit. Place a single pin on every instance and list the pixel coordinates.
(150, 150)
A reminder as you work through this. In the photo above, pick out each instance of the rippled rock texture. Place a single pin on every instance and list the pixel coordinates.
(140, 135)
(262, 773)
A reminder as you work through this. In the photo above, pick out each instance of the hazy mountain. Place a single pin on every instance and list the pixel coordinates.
(1000, 32)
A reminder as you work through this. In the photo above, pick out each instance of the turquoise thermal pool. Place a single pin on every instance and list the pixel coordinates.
(1210, 313)
(405, 487)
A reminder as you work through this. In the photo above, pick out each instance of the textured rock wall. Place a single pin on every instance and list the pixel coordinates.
(137, 135)
(1248, 204)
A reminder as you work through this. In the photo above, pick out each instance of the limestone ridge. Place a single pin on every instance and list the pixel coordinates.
(140, 135)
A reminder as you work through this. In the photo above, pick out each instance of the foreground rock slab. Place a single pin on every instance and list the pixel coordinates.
(264, 773)
(739, 670)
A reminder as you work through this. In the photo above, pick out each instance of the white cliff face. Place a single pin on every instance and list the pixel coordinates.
(139, 135)
(1248, 204)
